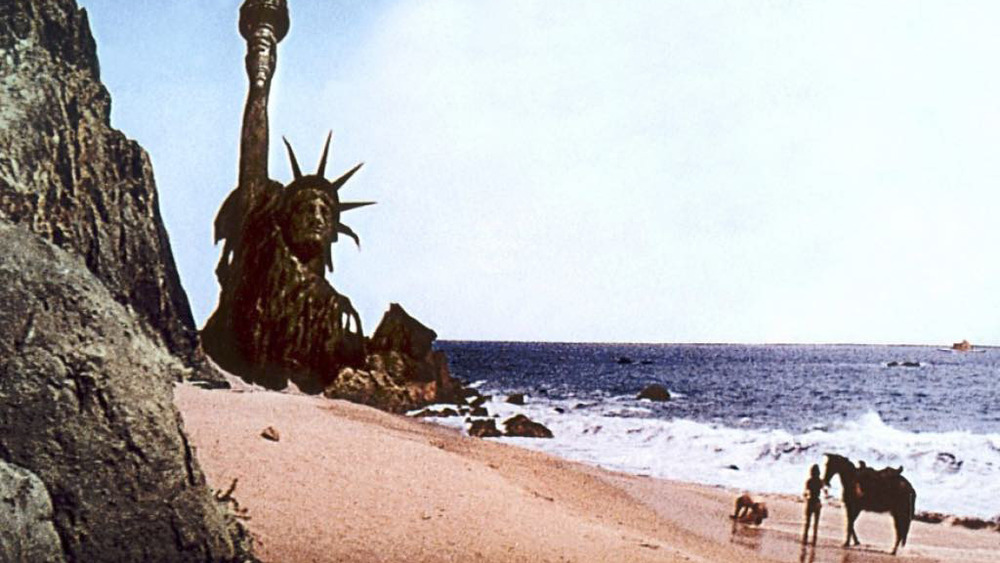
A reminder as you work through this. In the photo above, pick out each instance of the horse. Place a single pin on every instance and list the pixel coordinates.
(875, 491)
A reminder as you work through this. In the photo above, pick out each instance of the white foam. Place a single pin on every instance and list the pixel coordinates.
(952, 472)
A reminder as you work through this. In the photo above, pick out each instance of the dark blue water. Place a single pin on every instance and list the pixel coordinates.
(796, 387)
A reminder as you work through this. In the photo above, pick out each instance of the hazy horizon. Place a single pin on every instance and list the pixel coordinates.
(702, 172)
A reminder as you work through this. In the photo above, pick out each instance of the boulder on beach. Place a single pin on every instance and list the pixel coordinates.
(654, 392)
(523, 427)
(402, 370)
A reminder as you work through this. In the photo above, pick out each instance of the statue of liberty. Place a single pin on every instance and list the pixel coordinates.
(278, 318)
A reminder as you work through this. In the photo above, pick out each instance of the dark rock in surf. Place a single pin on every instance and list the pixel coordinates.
(929, 517)
(484, 429)
(974, 523)
(654, 392)
(431, 413)
(624, 361)
(523, 427)
(516, 399)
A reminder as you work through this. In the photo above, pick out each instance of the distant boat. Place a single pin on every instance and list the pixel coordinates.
(963, 346)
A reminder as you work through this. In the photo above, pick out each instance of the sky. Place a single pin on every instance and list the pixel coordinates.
(579, 170)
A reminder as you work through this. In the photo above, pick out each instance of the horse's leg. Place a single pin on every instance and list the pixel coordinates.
(850, 524)
(852, 515)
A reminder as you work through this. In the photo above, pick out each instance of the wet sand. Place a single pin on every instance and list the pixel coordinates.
(350, 483)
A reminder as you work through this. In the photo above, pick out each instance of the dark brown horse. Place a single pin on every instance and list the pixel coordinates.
(885, 490)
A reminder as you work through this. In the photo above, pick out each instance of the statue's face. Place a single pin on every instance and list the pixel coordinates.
(312, 223)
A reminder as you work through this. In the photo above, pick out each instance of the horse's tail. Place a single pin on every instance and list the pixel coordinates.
(904, 524)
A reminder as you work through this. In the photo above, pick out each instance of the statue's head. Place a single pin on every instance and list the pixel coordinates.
(310, 221)
(311, 209)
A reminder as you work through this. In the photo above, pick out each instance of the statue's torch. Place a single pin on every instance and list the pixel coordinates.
(263, 23)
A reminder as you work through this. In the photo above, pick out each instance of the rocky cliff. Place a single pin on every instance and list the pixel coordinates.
(94, 326)
(94, 463)
(69, 177)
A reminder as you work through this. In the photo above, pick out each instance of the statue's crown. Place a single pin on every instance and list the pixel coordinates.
(318, 182)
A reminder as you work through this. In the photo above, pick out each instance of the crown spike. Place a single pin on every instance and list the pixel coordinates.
(344, 229)
(339, 182)
(347, 206)
(326, 150)
(291, 156)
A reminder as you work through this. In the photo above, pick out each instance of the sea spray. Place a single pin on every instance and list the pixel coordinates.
(757, 417)
(952, 472)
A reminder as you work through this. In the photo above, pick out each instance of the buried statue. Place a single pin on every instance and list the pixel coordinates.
(278, 318)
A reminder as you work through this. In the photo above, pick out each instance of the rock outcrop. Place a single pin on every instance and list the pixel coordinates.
(88, 419)
(69, 177)
(402, 370)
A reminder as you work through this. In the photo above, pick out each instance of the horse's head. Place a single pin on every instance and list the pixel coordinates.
(836, 464)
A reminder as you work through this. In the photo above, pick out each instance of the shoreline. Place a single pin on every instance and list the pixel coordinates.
(350, 483)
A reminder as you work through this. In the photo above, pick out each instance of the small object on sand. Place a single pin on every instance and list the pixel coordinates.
(270, 433)
(228, 495)
(749, 511)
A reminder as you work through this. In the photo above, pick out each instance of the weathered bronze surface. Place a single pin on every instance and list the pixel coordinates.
(278, 317)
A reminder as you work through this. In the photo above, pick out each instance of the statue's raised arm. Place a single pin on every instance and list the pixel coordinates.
(263, 23)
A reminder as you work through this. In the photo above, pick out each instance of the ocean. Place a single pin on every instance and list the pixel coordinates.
(756, 417)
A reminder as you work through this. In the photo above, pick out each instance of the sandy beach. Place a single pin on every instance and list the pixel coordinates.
(349, 483)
